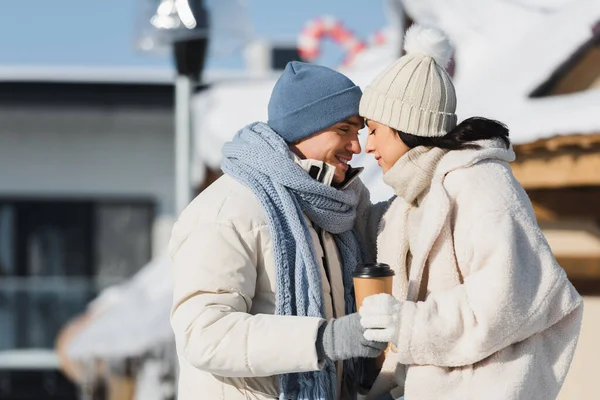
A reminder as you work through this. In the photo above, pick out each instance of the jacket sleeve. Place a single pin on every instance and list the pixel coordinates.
(215, 282)
(515, 289)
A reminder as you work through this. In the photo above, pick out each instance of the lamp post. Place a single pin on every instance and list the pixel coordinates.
(183, 26)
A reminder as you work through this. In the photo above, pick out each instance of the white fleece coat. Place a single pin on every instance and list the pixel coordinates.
(498, 317)
(229, 343)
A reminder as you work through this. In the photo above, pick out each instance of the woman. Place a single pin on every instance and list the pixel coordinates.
(480, 307)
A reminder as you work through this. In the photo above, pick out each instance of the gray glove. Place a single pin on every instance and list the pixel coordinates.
(342, 338)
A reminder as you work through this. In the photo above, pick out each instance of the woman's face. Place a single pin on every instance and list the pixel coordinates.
(385, 145)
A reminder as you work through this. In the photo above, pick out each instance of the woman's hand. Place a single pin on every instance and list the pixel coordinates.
(380, 316)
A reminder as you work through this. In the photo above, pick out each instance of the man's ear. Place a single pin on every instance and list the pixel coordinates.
(294, 149)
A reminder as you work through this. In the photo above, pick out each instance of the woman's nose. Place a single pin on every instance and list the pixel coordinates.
(370, 146)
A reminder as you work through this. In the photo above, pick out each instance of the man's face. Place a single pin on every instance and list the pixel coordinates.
(334, 145)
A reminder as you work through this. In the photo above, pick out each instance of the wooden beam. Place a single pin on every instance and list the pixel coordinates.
(587, 287)
(581, 141)
(564, 169)
(582, 202)
(543, 213)
(581, 267)
(584, 273)
(584, 75)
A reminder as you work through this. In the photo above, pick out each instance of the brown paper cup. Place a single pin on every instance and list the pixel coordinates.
(365, 287)
(370, 279)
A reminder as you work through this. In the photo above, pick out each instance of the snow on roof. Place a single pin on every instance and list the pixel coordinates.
(27, 359)
(84, 74)
(123, 75)
(504, 50)
(222, 110)
(131, 318)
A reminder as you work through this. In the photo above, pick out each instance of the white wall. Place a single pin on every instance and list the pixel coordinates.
(53, 153)
(89, 153)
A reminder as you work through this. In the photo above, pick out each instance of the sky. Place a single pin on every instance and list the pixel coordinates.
(102, 33)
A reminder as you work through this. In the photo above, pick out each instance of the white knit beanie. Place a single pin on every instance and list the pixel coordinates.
(415, 94)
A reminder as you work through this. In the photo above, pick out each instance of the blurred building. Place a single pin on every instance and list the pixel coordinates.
(536, 66)
(87, 188)
(533, 66)
(86, 198)
(562, 173)
(86, 177)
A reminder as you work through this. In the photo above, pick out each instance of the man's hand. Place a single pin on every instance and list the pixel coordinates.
(343, 338)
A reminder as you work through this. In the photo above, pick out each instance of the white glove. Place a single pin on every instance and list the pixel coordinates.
(380, 316)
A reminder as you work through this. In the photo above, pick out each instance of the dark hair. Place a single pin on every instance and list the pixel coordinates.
(463, 136)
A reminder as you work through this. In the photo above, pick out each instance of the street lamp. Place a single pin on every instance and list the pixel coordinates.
(183, 26)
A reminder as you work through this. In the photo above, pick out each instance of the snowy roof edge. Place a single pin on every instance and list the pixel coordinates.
(117, 75)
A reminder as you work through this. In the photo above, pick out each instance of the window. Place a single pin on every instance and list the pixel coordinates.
(56, 255)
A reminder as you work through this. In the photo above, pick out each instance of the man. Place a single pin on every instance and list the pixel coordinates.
(263, 304)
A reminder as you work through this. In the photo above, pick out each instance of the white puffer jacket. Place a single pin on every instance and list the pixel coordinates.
(497, 317)
(230, 344)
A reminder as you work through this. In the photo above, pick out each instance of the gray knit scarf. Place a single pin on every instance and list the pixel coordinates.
(410, 177)
(261, 160)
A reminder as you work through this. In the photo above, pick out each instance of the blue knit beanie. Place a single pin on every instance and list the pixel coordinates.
(308, 98)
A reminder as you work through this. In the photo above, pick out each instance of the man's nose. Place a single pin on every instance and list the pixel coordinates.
(354, 146)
